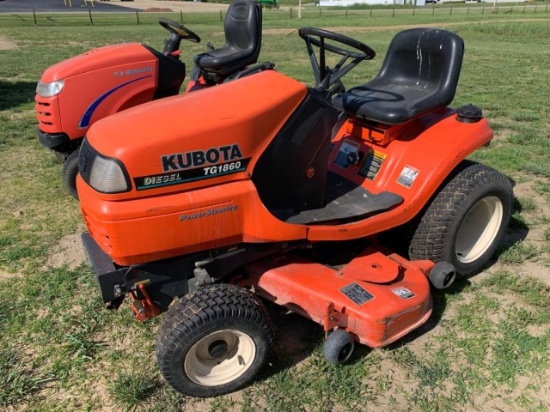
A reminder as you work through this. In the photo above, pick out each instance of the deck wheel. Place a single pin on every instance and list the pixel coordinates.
(338, 347)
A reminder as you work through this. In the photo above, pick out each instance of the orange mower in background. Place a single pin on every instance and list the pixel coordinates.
(75, 93)
(266, 189)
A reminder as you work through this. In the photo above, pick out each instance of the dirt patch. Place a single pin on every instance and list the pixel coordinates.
(523, 391)
(358, 29)
(158, 10)
(25, 114)
(531, 269)
(538, 267)
(184, 6)
(69, 251)
(396, 382)
(286, 32)
(502, 135)
(6, 44)
(523, 189)
(7, 275)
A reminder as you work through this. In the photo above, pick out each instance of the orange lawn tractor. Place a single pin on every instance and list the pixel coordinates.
(75, 93)
(265, 188)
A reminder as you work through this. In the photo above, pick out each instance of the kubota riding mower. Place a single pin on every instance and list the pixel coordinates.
(75, 93)
(267, 188)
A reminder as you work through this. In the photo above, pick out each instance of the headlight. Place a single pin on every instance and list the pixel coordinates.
(104, 174)
(107, 176)
(49, 89)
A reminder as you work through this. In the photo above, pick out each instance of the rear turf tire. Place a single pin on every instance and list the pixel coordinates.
(70, 170)
(213, 341)
(465, 221)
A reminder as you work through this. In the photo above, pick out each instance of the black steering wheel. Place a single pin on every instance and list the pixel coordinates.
(178, 33)
(325, 76)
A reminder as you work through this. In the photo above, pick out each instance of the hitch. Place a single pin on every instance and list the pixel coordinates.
(143, 307)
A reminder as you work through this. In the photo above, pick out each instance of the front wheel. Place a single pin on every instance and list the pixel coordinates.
(61, 156)
(70, 170)
(213, 341)
(466, 220)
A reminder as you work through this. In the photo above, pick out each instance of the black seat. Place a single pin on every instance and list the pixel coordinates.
(419, 74)
(243, 37)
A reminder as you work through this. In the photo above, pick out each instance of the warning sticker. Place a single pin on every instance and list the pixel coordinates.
(408, 176)
(356, 293)
(403, 293)
(372, 164)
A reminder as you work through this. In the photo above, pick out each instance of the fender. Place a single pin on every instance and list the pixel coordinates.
(442, 133)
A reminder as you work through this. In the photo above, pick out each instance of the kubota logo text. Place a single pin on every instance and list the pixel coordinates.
(179, 168)
(198, 158)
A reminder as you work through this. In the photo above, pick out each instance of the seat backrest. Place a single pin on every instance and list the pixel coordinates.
(243, 26)
(424, 58)
(419, 74)
(243, 39)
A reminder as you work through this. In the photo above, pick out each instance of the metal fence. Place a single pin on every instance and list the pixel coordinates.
(95, 18)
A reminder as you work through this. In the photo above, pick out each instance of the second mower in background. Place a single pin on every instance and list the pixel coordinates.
(77, 92)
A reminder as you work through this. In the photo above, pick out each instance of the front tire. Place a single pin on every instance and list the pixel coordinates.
(61, 156)
(70, 170)
(213, 341)
(466, 220)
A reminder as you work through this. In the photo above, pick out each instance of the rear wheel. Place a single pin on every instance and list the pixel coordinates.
(70, 170)
(466, 220)
(213, 341)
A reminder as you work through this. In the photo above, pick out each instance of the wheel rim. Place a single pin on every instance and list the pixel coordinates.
(220, 357)
(479, 229)
(345, 352)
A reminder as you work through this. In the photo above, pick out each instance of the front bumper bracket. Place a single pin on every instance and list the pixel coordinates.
(110, 278)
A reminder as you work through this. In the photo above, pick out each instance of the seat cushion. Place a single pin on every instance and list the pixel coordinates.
(385, 103)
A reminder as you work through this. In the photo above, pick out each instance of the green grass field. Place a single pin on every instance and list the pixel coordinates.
(485, 348)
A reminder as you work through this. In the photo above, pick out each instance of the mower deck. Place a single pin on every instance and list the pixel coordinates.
(376, 297)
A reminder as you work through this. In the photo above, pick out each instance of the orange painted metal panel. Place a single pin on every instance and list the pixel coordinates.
(145, 230)
(246, 113)
(376, 313)
(98, 83)
(430, 156)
